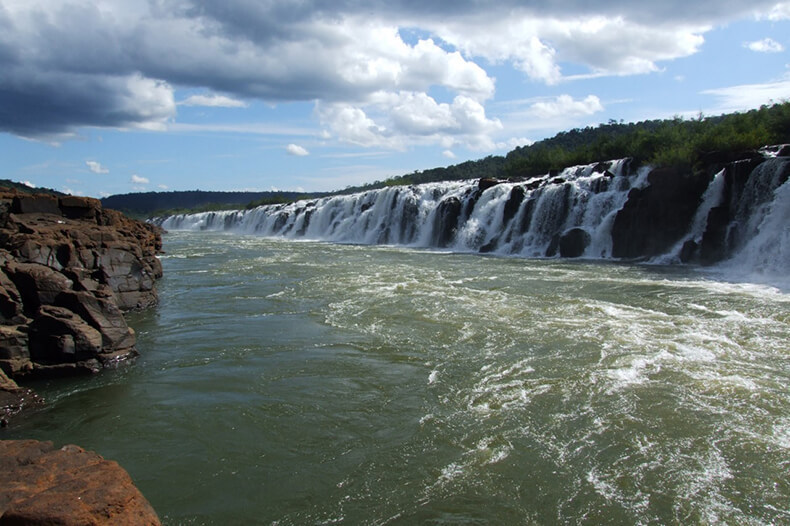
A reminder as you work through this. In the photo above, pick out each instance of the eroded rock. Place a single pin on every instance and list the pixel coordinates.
(43, 485)
(68, 270)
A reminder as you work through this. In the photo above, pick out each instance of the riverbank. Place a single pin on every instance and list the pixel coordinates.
(69, 270)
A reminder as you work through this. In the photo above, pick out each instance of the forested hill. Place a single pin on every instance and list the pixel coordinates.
(149, 203)
(678, 142)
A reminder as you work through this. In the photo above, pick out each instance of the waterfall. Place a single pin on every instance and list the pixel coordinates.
(759, 235)
(524, 218)
(569, 213)
(710, 199)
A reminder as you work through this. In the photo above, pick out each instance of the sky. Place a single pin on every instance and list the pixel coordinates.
(106, 97)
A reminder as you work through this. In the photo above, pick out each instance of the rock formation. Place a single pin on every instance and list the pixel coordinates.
(40, 485)
(68, 270)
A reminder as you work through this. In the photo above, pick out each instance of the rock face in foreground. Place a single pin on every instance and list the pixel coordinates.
(69, 486)
(68, 270)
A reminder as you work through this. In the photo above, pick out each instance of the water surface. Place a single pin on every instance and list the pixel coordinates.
(292, 382)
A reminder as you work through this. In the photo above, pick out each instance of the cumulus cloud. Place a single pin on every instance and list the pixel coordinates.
(96, 167)
(396, 120)
(449, 154)
(136, 179)
(766, 45)
(114, 63)
(296, 150)
(214, 101)
(28, 184)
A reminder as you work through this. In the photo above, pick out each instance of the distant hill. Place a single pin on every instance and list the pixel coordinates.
(149, 203)
(21, 187)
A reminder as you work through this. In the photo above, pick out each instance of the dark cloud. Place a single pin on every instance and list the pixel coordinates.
(39, 104)
(66, 65)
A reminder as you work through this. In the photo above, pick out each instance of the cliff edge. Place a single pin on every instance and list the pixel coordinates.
(68, 270)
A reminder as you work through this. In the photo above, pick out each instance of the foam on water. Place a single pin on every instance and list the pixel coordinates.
(368, 384)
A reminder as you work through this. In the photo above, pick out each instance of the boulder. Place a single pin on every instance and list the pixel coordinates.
(574, 242)
(43, 485)
(75, 207)
(10, 300)
(14, 348)
(60, 336)
(487, 182)
(35, 204)
(37, 284)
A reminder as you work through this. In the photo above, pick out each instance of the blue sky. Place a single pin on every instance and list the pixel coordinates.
(116, 96)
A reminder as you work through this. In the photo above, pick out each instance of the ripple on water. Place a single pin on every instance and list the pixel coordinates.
(300, 383)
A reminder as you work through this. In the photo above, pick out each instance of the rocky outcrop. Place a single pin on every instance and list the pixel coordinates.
(68, 270)
(447, 221)
(42, 485)
(574, 242)
(655, 217)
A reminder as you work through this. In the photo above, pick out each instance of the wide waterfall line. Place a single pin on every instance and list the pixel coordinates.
(521, 218)
(569, 214)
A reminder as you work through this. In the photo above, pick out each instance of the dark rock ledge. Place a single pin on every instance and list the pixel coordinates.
(42, 485)
(68, 270)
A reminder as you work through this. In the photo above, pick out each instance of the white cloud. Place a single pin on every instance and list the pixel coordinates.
(780, 11)
(28, 184)
(162, 186)
(766, 45)
(748, 96)
(397, 120)
(449, 154)
(136, 179)
(537, 45)
(214, 101)
(351, 124)
(295, 149)
(565, 105)
(96, 167)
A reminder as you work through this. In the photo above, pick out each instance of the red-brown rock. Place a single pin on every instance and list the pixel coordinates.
(40, 485)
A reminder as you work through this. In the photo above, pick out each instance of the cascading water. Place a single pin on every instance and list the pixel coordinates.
(569, 214)
(523, 218)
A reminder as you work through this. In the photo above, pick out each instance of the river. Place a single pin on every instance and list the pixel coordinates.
(300, 382)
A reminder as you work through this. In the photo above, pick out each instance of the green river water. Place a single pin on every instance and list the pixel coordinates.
(287, 382)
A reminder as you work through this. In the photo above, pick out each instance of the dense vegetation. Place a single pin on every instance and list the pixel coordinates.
(678, 142)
